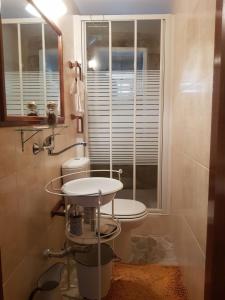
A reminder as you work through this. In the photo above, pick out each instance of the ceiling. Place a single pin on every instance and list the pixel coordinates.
(119, 7)
(16, 8)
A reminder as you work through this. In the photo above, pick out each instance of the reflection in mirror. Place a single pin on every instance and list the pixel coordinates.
(31, 61)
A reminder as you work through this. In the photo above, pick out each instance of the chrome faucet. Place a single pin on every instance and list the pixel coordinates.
(50, 151)
(49, 145)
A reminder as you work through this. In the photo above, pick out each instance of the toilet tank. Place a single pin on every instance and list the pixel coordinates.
(76, 165)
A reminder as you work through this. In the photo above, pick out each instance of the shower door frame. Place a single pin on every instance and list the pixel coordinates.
(163, 181)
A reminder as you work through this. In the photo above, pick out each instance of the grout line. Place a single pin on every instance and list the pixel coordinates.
(194, 236)
(29, 253)
(191, 158)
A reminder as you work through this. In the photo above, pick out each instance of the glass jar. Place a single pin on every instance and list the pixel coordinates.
(51, 113)
(32, 109)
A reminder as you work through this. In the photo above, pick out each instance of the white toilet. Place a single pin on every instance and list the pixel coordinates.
(74, 165)
(131, 214)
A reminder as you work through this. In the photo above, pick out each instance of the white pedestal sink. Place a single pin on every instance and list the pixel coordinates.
(85, 191)
(94, 229)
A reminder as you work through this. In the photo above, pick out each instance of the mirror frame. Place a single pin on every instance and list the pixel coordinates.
(6, 121)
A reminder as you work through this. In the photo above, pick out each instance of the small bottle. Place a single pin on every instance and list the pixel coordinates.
(51, 113)
(75, 223)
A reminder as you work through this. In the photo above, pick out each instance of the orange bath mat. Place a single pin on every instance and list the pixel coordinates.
(146, 282)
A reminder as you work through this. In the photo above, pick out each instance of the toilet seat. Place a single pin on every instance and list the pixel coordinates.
(125, 209)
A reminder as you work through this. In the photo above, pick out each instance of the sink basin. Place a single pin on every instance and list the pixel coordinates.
(85, 191)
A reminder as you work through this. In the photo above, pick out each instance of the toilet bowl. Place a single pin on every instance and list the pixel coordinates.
(131, 214)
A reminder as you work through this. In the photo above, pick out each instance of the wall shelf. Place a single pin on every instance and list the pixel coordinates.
(35, 130)
(91, 238)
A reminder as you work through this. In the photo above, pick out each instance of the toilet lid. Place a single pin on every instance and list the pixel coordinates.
(124, 208)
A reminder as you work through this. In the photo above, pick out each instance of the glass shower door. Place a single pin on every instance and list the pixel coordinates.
(124, 82)
(148, 105)
(98, 91)
(123, 103)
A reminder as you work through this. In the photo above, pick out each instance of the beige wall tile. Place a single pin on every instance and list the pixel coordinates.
(24, 277)
(193, 81)
(190, 258)
(7, 152)
(26, 227)
(194, 26)
(9, 224)
(154, 224)
(190, 195)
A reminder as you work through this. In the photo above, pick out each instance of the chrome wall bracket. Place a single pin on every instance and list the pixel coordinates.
(34, 130)
(23, 139)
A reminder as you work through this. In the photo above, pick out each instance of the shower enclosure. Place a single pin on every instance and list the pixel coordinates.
(124, 68)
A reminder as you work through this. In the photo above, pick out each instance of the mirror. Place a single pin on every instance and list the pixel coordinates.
(31, 65)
